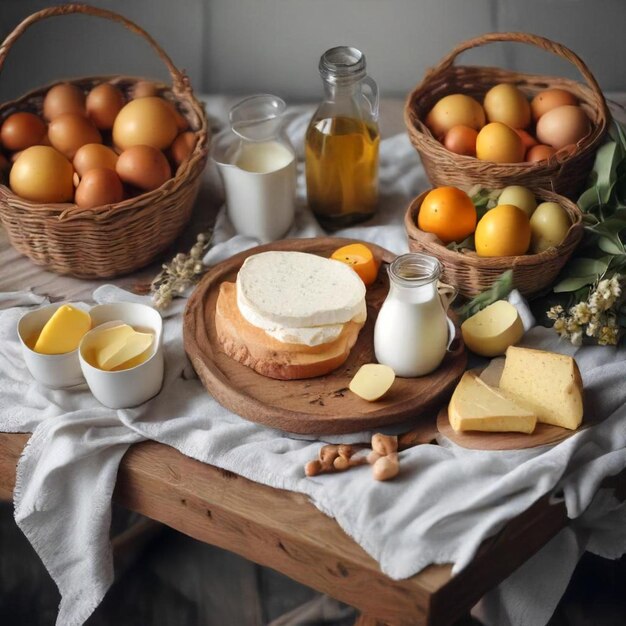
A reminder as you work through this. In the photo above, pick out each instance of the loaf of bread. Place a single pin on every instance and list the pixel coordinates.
(254, 347)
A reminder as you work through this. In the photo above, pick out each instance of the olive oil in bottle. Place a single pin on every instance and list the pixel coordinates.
(342, 140)
(342, 169)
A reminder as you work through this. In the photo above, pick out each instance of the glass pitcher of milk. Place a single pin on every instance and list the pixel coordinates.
(258, 167)
(413, 331)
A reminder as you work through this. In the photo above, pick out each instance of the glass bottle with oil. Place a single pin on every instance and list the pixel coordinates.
(341, 146)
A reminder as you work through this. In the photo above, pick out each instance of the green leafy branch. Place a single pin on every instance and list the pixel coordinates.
(602, 253)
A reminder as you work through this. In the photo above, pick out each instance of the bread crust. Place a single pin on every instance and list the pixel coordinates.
(254, 348)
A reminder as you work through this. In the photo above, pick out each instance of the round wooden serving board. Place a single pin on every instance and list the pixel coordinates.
(543, 435)
(314, 406)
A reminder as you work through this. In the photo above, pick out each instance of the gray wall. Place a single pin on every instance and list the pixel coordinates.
(243, 46)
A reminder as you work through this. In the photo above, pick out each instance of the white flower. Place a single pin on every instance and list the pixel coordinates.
(581, 312)
(577, 338)
(615, 287)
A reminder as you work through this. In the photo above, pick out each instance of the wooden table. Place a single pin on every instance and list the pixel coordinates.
(275, 528)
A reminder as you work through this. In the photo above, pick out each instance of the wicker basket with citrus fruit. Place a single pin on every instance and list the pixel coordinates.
(532, 232)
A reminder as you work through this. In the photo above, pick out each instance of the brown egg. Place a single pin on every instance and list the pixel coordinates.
(45, 140)
(104, 102)
(461, 140)
(70, 131)
(183, 146)
(63, 98)
(42, 174)
(93, 155)
(455, 110)
(99, 187)
(145, 122)
(562, 126)
(539, 152)
(145, 89)
(22, 130)
(507, 104)
(549, 99)
(144, 167)
(527, 139)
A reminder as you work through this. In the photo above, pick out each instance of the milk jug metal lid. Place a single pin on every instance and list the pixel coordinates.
(341, 63)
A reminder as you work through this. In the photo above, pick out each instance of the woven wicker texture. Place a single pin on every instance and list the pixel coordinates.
(564, 173)
(472, 274)
(116, 239)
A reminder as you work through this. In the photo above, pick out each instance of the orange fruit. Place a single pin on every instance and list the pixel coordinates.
(449, 213)
(503, 231)
(360, 258)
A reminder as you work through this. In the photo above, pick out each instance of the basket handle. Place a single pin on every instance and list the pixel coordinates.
(527, 38)
(180, 81)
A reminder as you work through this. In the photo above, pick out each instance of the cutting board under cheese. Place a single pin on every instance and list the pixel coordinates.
(543, 434)
(322, 405)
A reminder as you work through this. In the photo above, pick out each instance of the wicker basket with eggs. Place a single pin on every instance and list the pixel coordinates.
(477, 125)
(100, 173)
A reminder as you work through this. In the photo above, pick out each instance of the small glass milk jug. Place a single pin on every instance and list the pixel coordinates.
(342, 139)
(413, 331)
(258, 167)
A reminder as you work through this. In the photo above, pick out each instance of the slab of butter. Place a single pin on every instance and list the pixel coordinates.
(475, 405)
(63, 331)
(372, 381)
(297, 289)
(117, 346)
(547, 382)
(491, 331)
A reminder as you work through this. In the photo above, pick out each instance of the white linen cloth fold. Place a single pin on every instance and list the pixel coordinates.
(444, 503)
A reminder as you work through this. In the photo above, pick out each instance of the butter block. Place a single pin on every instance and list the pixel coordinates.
(475, 405)
(372, 381)
(491, 331)
(117, 346)
(547, 382)
(63, 331)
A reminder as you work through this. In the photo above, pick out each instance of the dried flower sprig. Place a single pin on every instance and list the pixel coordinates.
(595, 318)
(180, 273)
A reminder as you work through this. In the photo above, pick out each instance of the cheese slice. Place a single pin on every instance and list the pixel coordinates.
(372, 381)
(63, 331)
(297, 289)
(547, 382)
(475, 405)
(491, 331)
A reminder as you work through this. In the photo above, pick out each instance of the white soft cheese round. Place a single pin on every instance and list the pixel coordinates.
(303, 335)
(296, 289)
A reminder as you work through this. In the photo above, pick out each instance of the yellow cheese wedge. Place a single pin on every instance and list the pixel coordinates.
(63, 331)
(475, 405)
(547, 382)
(491, 331)
(372, 381)
(115, 347)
